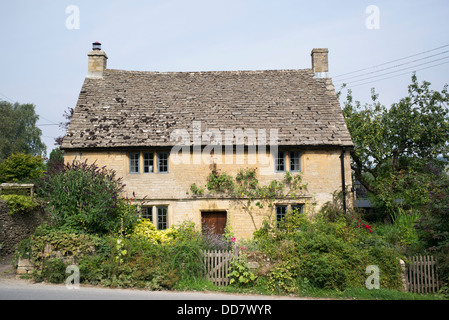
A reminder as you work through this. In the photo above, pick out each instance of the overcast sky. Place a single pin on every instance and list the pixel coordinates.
(43, 57)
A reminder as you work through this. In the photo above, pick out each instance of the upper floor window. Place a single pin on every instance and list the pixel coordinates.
(295, 163)
(290, 160)
(279, 161)
(162, 161)
(148, 162)
(134, 162)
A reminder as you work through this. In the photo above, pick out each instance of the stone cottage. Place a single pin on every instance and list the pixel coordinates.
(163, 131)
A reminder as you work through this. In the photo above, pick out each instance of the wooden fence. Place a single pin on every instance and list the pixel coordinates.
(217, 263)
(422, 274)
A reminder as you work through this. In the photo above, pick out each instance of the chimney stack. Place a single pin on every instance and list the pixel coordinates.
(97, 61)
(320, 62)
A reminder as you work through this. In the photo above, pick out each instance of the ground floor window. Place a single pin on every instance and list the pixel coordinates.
(159, 212)
(147, 213)
(282, 210)
(162, 217)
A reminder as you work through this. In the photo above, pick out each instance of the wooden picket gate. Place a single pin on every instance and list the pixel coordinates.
(422, 274)
(217, 263)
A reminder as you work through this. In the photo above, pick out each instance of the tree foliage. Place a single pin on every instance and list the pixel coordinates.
(18, 131)
(21, 167)
(395, 146)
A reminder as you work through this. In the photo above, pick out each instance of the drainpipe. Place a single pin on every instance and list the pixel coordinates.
(343, 184)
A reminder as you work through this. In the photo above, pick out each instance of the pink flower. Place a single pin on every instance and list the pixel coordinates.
(233, 239)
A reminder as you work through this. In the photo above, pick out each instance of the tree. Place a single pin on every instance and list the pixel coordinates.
(394, 146)
(18, 131)
(64, 125)
(55, 162)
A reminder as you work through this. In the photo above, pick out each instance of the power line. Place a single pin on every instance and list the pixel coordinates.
(1, 94)
(396, 66)
(396, 60)
(405, 73)
(52, 122)
(391, 72)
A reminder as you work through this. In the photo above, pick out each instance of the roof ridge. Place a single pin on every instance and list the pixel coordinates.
(305, 70)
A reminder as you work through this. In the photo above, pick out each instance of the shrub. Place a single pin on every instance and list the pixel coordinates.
(328, 254)
(65, 241)
(53, 270)
(433, 227)
(19, 204)
(87, 198)
(145, 228)
(240, 273)
(21, 167)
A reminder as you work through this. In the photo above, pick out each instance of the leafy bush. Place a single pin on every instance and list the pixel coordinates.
(136, 260)
(87, 198)
(19, 204)
(433, 227)
(329, 254)
(21, 167)
(240, 273)
(147, 229)
(53, 270)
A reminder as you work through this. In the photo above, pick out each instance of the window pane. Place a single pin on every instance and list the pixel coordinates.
(294, 161)
(147, 213)
(298, 208)
(279, 161)
(134, 162)
(148, 162)
(162, 218)
(280, 213)
(163, 162)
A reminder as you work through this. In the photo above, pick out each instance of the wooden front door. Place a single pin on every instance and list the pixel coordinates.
(214, 220)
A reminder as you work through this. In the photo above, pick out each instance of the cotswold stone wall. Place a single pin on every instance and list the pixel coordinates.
(15, 228)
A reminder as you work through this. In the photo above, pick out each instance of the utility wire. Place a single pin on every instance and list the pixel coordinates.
(52, 122)
(395, 66)
(397, 75)
(392, 61)
(387, 73)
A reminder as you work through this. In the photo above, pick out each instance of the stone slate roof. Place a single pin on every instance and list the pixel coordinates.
(141, 109)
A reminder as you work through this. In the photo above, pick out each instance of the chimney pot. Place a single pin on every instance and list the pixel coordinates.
(96, 46)
(320, 62)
